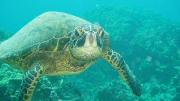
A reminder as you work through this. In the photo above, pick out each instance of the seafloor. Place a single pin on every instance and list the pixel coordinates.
(149, 43)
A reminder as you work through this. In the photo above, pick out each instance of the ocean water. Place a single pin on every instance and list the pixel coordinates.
(145, 33)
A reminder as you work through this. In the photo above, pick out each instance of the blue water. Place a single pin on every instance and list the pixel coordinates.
(16, 13)
(145, 33)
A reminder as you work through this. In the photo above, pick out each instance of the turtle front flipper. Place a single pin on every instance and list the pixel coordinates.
(118, 63)
(29, 82)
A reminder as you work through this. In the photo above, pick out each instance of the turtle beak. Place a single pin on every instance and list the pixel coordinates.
(91, 40)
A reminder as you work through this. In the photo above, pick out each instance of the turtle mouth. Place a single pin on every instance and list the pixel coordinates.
(86, 53)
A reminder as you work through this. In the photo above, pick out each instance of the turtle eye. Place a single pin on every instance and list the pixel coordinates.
(79, 32)
(99, 42)
(101, 32)
(81, 42)
(76, 33)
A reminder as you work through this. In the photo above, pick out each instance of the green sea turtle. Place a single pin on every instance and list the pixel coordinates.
(57, 43)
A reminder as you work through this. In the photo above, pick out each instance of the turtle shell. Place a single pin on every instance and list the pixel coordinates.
(42, 38)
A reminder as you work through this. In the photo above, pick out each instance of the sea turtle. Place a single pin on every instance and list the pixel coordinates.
(57, 43)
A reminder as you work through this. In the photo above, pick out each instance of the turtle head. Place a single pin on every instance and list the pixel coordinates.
(87, 42)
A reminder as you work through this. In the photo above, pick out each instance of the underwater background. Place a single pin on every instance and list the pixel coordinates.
(146, 33)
